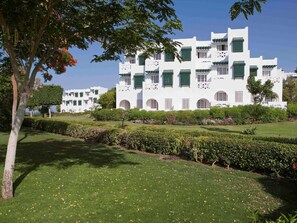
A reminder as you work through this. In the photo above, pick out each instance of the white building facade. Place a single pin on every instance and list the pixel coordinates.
(212, 73)
(80, 100)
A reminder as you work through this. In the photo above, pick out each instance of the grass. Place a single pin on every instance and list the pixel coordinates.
(278, 129)
(61, 179)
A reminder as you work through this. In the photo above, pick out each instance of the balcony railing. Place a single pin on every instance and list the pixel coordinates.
(124, 68)
(221, 55)
(151, 86)
(151, 65)
(204, 85)
(123, 88)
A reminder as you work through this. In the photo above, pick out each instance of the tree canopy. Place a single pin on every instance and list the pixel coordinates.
(108, 99)
(246, 7)
(260, 91)
(290, 90)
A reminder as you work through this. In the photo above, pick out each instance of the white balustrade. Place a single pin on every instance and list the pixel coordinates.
(151, 86)
(204, 85)
(123, 88)
(222, 54)
(151, 65)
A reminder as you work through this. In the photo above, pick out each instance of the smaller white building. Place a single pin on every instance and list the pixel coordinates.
(80, 100)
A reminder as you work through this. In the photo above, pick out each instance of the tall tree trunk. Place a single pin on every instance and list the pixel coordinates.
(7, 181)
(49, 112)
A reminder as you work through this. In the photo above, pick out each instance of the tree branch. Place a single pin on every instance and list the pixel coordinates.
(36, 43)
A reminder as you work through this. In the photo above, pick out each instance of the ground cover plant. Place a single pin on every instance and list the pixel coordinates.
(62, 179)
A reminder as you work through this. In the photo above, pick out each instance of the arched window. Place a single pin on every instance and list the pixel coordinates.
(203, 103)
(221, 96)
(125, 104)
(152, 104)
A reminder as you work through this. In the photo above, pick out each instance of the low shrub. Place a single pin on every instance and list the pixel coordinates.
(248, 153)
(292, 110)
(107, 114)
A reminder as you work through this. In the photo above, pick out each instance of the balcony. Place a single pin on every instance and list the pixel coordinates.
(203, 85)
(151, 65)
(221, 55)
(151, 86)
(124, 68)
(123, 88)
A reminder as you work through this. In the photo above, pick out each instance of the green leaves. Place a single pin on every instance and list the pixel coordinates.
(245, 7)
(108, 99)
(46, 96)
(259, 91)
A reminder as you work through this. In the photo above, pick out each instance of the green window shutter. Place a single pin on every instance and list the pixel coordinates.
(79, 102)
(167, 79)
(237, 45)
(141, 60)
(74, 103)
(138, 81)
(96, 91)
(253, 71)
(169, 57)
(184, 78)
(76, 95)
(186, 54)
(81, 94)
(238, 69)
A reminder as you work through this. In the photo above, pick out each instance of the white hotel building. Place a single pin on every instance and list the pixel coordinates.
(80, 100)
(212, 73)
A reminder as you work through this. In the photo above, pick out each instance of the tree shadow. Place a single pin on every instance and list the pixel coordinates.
(284, 190)
(221, 130)
(62, 154)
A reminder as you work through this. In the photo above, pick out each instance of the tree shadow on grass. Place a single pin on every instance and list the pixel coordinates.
(62, 154)
(283, 189)
(221, 130)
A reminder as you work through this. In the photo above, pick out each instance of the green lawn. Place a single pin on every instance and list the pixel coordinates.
(61, 179)
(279, 129)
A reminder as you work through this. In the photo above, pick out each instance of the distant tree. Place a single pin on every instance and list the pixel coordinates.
(290, 90)
(260, 91)
(45, 97)
(108, 99)
(245, 7)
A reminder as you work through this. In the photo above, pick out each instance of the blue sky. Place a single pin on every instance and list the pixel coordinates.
(272, 33)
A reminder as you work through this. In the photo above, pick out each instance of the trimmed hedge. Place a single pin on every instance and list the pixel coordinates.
(230, 115)
(292, 110)
(248, 153)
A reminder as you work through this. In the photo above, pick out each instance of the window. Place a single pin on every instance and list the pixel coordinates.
(266, 72)
(141, 60)
(238, 69)
(223, 47)
(203, 103)
(237, 45)
(94, 100)
(222, 70)
(167, 79)
(76, 95)
(138, 79)
(127, 80)
(253, 71)
(238, 96)
(157, 56)
(155, 79)
(67, 102)
(202, 77)
(169, 57)
(152, 103)
(81, 94)
(168, 103)
(185, 103)
(79, 102)
(96, 92)
(131, 60)
(221, 96)
(139, 103)
(74, 103)
(186, 54)
(184, 78)
(202, 54)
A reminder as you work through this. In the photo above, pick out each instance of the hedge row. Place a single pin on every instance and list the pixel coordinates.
(230, 115)
(244, 153)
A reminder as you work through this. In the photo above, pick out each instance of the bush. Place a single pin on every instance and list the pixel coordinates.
(248, 153)
(292, 110)
(217, 113)
(107, 114)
